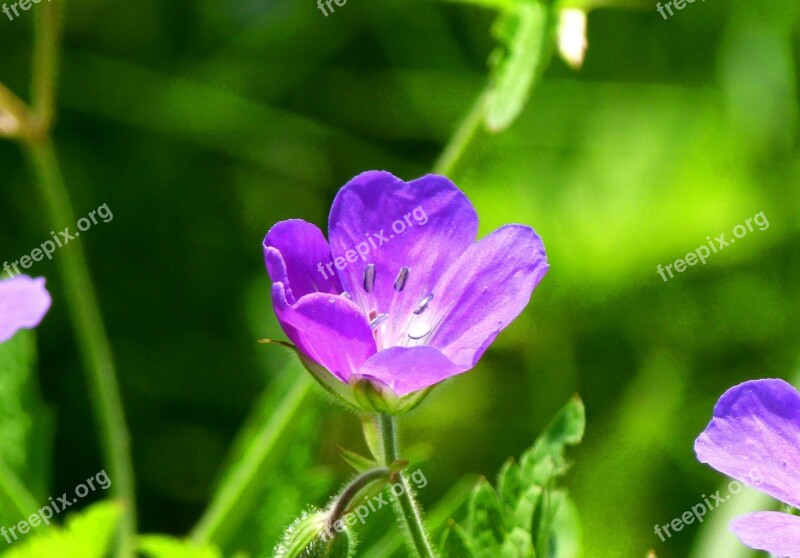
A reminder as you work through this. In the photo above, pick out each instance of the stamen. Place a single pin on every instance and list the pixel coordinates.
(423, 304)
(369, 277)
(378, 320)
(418, 331)
(402, 277)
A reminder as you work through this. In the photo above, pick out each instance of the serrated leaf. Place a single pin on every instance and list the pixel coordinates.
(486, 524)
(527, 504)
(518, 544)
(509, 484)
(546, 460)
(456, 543)
(561, 532)
(86, 535)
(162, 546)
(523, 32)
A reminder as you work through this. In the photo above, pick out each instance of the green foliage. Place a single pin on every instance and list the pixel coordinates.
(23, 423)
(526, 516)
(162, 546)
(87, 534)
(523, 31)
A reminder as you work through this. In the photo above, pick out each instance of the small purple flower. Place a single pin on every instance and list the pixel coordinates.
(756, 426)
(403, 296)
(23, 304)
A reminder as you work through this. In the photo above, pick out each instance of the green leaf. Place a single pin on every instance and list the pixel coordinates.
(546, 460)
(518, 544)
(509, 484)
(527, 504)
(523, 33)
(486, 525)
(561, 532)
(357, 461)
(85, 535)
(162, 546)
(456, 543)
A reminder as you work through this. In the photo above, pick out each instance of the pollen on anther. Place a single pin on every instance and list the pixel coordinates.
(369, 277)
(402, 277)
(423, 304)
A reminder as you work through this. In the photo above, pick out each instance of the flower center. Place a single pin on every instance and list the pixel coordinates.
(416, 329)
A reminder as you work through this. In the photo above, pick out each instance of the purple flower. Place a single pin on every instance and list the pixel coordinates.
(756, 426)
(403, 296)
(23, 304)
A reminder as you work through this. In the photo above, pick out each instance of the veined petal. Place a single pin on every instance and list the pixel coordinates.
(23, 304)
(327, 328)
(378, 219)
(755, 433)
(296, 254)
(483, 292)
(774, 532)
(409, 369)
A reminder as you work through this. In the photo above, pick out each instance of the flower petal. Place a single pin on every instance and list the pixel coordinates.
(755, 433)
(23, 304)
(409, 369)
(483, 292)
(378, 219)
(295, 251)
(774, 532)
(327, 328)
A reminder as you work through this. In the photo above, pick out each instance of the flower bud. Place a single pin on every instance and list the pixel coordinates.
(310, 537)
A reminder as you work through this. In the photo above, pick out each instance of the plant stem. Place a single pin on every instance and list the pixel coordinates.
(464, 135)
(406, 506)
(81, 302)
(45, 65)
(351, 492)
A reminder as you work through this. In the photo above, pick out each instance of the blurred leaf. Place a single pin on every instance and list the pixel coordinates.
(546, 459)
(357, 461)
(486, 525)
(86, 535)
(455, 543)
(23, 418)
(522, 31)
(162, 546)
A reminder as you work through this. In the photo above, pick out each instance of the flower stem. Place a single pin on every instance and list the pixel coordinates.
(464, 135)
(350, 493)
(81, 302)
(406, 506)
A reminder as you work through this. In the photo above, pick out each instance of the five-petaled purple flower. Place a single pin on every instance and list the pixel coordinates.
(410, 304)
(23, 304)
(757, 425)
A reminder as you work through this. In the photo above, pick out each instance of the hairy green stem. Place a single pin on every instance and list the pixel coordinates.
(406, 506)
(84, 310)
(352, 491)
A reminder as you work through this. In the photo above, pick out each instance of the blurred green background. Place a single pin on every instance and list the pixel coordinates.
(203, 123)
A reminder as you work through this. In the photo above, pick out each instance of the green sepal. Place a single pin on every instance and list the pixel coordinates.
(455, 543)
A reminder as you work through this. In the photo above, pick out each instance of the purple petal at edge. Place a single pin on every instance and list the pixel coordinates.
(409, 369)
(433, 222)
(754, 437)
(484, 292)
(294, 252)
(23, 304)
(329, 329)
(778, 533)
